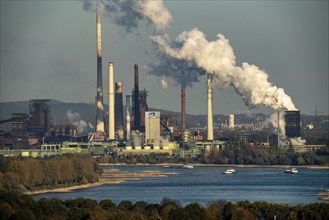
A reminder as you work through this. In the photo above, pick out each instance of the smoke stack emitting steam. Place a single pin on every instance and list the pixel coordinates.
(217, 57)
(193, 53)
(128, 13)
(99, 98)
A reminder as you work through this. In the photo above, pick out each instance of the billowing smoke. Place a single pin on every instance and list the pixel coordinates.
(273, 119)
(128, 13)
(217, 57)
(180, 71)
(74, 119)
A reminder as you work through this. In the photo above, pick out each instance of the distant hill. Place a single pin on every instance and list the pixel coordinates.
(87, 113)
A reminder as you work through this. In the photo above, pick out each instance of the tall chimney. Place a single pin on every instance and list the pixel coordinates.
(136, 100)
(99, 98)
(128, 117)
(118, 111)
(183, 108)
(210, 132)
(111, 134)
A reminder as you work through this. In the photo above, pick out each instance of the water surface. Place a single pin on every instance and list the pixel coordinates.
(205, 184)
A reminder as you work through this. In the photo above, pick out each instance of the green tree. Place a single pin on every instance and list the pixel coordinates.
(195, 211)
(125, 205)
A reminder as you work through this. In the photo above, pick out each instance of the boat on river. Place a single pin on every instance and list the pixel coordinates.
(291, 171)
(229, 171)
(188, 167)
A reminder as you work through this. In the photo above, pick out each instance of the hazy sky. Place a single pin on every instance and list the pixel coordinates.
(48, 50)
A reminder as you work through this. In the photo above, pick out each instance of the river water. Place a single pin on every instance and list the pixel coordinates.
(205, 184)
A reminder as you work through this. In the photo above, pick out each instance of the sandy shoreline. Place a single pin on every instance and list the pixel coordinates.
(112, 176)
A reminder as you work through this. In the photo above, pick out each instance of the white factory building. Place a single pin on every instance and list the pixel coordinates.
(152, 128)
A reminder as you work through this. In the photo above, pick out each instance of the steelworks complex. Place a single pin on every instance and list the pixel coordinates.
(135, 129)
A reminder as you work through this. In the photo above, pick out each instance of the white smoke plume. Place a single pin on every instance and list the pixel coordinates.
(217, 57)
(128, 13)
(74, 119)
(164, 83)
(182, 72)
(273, 119)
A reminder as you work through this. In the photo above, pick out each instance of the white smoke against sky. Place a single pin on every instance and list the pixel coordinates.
(164, 83)
(217, 57)
(128, 13)
(74, 119)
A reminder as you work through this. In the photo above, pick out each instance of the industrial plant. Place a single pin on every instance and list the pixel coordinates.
(137, 129)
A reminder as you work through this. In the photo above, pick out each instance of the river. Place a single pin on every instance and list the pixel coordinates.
(205, 184)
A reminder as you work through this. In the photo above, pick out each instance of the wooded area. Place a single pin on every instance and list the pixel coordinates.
(14, 206)
(17, 174)
(248, 155)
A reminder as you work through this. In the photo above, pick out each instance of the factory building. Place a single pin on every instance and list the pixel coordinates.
(152, 128)
(231, 122)
(292, 120)
(118, 112)
(40, 118)
(19, 125)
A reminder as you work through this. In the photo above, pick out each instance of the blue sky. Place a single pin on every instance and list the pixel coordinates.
(48, 50)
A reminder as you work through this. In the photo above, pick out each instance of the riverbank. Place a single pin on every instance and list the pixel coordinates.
(211, 165)
(111, 176)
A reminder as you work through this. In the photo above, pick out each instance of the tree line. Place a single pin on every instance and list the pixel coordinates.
(249, 155)
(21, 174)
(15, 206)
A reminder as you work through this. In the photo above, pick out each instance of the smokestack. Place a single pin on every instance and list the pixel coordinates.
(99, 98)
(118, 110)
(111, 134)
(128, 117)
(136, 100)
(183, 108)
(210, 132)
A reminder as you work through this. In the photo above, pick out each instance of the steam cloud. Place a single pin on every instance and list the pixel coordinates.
(181, 71)
(217, 57)
(128, 13)
(74, 119)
